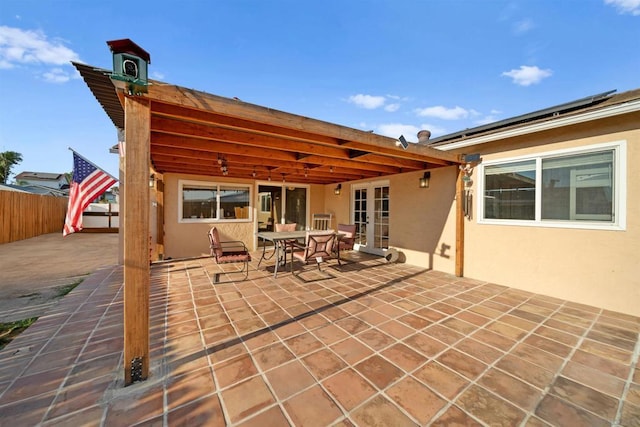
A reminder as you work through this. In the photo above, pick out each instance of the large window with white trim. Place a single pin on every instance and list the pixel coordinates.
(205, 201)
(568, 188)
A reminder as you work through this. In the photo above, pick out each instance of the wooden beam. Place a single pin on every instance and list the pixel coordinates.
(415, 152)
(235, 136)
(460, 224)
(190, 98)
(136, 240)
(182, 146)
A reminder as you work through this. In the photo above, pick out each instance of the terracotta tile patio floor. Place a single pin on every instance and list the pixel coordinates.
(378, 344)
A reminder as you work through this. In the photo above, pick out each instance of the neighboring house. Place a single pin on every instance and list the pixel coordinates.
(50, 180)
(553, 208)
(36, 189)
(10, 187)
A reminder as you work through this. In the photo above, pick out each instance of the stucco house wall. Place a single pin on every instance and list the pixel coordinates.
(183, 240)
(594, 267)
(422, 220)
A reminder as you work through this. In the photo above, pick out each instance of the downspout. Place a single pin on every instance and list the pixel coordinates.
(460, 224)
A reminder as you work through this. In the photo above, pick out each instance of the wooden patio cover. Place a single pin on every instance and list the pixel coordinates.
(191, 131)
(179, 130)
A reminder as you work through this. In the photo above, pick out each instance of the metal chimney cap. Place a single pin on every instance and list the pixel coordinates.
(424, 135)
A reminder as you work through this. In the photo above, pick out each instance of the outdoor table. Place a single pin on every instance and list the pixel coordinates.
(279, 239)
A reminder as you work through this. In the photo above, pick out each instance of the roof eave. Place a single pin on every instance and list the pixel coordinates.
(615, 110)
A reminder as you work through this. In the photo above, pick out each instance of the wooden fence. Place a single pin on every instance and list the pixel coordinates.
(24, 215)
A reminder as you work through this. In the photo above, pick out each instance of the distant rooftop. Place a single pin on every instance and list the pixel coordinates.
(41, 176)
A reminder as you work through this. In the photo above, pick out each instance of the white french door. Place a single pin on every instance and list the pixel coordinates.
(370, 213)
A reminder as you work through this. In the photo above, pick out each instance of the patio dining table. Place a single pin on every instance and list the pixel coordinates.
(279, 240)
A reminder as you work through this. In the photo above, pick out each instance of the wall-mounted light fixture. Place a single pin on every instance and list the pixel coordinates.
(337, 190)
(152, 180)
(424, 180)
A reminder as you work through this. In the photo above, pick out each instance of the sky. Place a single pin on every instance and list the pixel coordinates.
(393, 67)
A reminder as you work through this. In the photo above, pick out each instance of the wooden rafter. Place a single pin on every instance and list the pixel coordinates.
(191, 130)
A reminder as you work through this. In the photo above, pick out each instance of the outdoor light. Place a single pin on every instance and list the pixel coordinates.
(337, 190)
(152, 180)
(424, 180)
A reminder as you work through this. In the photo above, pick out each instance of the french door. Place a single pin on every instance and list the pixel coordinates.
(370, 212)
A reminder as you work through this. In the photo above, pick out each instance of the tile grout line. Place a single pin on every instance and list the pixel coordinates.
(632, 366)
(35, 356)
(565, 362)
(84, 346)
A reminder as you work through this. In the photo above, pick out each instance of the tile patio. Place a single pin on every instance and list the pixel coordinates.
(378, 344)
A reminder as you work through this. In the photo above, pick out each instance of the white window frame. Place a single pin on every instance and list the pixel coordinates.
(619, 189)
(265, 198)
(213, 185)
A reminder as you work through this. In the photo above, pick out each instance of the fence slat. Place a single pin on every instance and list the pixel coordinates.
(25, 215)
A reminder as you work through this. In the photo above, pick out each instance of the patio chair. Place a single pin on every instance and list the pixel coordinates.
(347, 241)
(228, 252)
(318, 246)
(288, 244)
(321, 221)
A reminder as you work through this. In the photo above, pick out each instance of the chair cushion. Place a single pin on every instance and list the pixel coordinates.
(240, 256)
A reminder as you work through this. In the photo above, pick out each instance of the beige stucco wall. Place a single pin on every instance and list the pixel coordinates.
(594, 267)
(189, 240)
(422, 220)
(183, 240)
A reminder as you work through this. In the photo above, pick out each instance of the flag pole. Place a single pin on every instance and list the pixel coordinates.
(91, 163)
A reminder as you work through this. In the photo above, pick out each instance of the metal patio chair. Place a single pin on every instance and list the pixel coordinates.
(228, 252)
(318, 247)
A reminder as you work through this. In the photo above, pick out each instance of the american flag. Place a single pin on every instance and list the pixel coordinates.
(89, 182)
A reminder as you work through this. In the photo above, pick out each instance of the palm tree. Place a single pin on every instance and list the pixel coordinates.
(8, 159)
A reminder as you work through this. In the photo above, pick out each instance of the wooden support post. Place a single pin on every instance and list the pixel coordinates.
(460, 224)
(136, 239)
(160, 217)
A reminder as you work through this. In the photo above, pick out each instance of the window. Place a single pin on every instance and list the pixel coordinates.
(570, 188)
(206, 201)
(265, 202)
(510, 190)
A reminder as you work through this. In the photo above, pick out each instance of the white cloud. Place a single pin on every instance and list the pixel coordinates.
(410, 132)
(625, 6)
(526, 75)
(369, 102)
(394, 130)
(56, 75)
(434, 129)
(31, 48)
(523, 26)
(391, 107)
(444, 113)
(157, 75)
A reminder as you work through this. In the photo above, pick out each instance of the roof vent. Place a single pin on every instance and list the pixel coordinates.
(423, 136)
